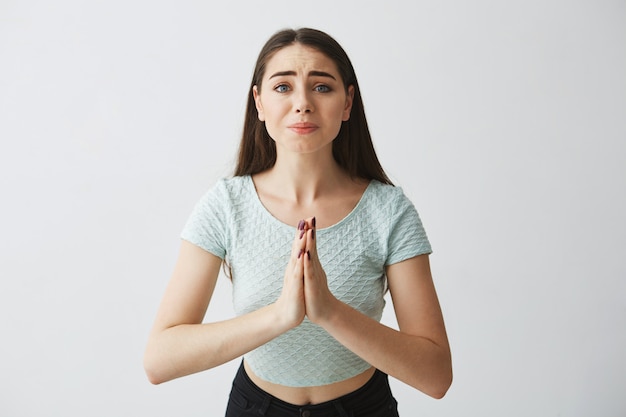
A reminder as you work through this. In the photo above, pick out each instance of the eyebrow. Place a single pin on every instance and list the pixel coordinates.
(311, 74)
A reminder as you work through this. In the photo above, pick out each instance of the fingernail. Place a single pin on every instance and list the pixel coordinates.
(300, 253)
(302, 234)
(301, 225)
(313, 234)
(308, 254)
(313, 221)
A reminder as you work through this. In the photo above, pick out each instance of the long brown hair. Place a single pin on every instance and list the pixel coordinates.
(352, 148)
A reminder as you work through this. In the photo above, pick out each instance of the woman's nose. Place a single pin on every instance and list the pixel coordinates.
(303, 103)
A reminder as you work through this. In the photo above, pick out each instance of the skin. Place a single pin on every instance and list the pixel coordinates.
(302, 85)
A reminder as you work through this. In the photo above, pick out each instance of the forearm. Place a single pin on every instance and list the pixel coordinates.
(189, 348)
(413, 359)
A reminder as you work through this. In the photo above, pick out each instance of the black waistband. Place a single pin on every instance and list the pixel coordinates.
(375, 391)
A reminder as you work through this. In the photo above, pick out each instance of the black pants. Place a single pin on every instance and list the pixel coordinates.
(373, 399)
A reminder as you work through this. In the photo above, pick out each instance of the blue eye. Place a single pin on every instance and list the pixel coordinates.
(322, 88)
(281, 88)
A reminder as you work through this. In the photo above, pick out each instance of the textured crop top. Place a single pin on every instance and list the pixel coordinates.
(384, 228)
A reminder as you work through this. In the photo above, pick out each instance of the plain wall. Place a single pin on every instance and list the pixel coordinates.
(505, 123)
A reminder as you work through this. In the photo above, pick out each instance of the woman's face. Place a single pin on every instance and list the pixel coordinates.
(302, 100)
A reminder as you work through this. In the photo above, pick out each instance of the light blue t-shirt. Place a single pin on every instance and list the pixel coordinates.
(384, 228)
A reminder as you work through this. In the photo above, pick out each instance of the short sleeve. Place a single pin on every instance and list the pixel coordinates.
(407, 237)
(206, 226)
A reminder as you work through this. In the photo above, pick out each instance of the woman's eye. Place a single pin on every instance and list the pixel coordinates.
(322, 88)
(282, 88)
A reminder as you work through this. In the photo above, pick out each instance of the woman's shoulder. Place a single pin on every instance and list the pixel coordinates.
(386, 199)
(230, 186)
(379, 191)
(225, 192)
(234, 182)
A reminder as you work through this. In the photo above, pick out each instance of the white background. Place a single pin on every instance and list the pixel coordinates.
(505, 123)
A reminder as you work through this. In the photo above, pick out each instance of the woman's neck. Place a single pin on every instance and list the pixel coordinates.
(304, 178)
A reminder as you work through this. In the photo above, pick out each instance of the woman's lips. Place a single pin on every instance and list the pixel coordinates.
(303, 128)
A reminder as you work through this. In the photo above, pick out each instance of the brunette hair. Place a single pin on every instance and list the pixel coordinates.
(352, 148)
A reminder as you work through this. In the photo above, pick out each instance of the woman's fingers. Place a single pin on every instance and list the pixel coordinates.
(317, 295)
(299, 242)
(291, 300)
(308, 235)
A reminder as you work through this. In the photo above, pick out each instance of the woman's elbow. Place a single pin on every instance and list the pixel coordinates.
(153, 367)
(152, 372)
(441, 391)
(440, 388)
(436, 381)
(154, 377)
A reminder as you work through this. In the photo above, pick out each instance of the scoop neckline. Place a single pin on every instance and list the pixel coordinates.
(257, 200)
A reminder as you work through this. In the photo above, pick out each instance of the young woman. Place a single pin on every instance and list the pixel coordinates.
(313, 234)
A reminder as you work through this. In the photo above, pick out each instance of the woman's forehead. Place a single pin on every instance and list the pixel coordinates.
(300, 58)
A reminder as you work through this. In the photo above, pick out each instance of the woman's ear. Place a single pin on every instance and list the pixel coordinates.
(348, 107)
(257, 103)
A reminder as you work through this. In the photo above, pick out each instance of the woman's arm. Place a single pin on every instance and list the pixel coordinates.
(421, 322)
(418, 354)
(180, 344)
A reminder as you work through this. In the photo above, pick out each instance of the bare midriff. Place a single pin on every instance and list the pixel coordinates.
(311, 395)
